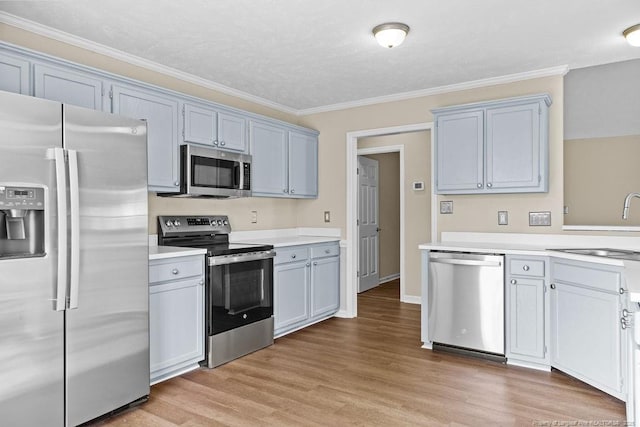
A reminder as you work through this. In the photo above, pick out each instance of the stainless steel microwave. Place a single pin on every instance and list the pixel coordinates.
(206, 172)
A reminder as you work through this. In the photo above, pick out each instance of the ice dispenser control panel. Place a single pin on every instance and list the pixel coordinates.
(31, 198)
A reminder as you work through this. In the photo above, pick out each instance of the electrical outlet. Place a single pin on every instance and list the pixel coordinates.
(327, 216)
(503, 218)
(254, 217)
(446, 207)
(539, 219)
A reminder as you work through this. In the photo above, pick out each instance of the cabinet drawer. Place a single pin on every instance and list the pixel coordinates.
(175, 268)
(325, 250)
(592, 275)
(291, 254)
(527, 267)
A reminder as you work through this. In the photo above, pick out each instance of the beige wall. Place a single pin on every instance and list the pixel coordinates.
(598, 174)
(417, 158)
(389, 210)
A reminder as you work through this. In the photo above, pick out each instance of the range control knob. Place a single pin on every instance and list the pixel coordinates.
(219, 222)
(176, 222)
(225, 222)
(169, 223)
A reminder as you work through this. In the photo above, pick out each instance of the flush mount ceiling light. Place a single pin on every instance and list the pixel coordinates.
(390, 34)
(632, 34)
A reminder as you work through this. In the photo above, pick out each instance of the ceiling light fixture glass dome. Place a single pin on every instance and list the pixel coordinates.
(632, 34)
(390, 34)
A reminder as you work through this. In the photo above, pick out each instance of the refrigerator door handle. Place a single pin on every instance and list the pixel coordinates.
(60, 301)
(74, 204)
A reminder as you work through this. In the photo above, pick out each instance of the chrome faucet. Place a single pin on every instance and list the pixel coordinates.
(627, 201)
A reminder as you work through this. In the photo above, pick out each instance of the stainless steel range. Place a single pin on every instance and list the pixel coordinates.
(239, 290)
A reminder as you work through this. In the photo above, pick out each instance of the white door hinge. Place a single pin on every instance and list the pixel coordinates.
(182, 110)
(357, 222)
(357, 171)
(111, 94)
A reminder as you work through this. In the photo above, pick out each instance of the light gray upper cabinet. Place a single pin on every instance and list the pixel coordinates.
(284, 161)
(216, 128)
(587, 339)
(232, 131)
(528, 328)
(303, 165)
(493, 147)
(161, 114)
(68, 86)
(269, 166)
(14, 74)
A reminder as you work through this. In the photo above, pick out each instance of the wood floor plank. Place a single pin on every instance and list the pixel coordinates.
(368, 371)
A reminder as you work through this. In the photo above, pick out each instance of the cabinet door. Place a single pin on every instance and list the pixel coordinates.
(526, 317)
(161, 114)
(68, 87)
(176, 325)
(200, 125)
(291, 295)
(513, 147)
(269, 167)
(14, 74)
(303, 165)
(325, 286)
(585, 332)
(459, 152)
(232, 132)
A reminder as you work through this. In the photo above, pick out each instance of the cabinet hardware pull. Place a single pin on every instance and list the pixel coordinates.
(525, 267)
(308, 264)
(293, 256)
(479, 185)
(489, 185)
(222, 143)
(285, 190)
(175, 271)
(326, 251)
(292, 191)
(176, 183)
(315, 263)
(553, 286)
(621, 291)
(626, 313)
(514, 281)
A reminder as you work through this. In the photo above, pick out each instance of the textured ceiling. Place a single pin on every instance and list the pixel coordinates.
(304, 54)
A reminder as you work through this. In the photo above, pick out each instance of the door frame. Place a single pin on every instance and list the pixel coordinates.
(385, 150)
(350, 306)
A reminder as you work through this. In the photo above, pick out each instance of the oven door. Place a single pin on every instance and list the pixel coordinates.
(240, 290)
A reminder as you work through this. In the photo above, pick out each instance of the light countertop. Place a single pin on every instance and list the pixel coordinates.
(162, 252)
(283, 241)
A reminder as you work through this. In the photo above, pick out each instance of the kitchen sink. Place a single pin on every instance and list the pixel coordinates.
(604, 252)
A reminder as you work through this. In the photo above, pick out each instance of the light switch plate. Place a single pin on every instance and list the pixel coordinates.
(327, 216)
(539, 219)
(254, 217)
(503, 218)
(446, 207)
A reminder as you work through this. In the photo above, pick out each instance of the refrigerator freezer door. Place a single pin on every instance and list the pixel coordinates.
(31, 332)
(107, 341)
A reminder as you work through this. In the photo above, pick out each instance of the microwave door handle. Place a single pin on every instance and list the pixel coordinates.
(240, 168)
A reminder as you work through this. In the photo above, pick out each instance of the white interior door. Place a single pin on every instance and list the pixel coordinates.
(368, 226)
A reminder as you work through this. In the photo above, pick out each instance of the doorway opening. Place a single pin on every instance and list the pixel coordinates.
(379, 217)
(349, 306)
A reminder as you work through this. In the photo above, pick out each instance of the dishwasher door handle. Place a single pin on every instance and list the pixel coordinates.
(456, 261)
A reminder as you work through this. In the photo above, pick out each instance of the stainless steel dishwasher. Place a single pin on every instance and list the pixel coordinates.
(466, 301)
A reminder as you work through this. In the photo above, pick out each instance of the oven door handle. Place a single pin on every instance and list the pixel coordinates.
(233, 259)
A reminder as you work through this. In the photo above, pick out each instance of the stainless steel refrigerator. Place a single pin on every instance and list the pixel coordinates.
(74, 341)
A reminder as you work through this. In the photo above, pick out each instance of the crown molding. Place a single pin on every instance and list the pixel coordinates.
(80, 42)
(492, 81)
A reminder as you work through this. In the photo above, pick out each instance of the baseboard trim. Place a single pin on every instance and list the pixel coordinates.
(411, 299)
(388, 278)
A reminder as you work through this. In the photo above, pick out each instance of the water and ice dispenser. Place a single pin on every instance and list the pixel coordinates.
(22, 214)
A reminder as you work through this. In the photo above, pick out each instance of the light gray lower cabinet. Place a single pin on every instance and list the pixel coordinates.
(306, 285)
(161, 114)
(14, 74)
(587, 339)
(527, 314)
(176, 316)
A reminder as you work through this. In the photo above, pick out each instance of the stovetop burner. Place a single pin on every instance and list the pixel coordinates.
(210, 232)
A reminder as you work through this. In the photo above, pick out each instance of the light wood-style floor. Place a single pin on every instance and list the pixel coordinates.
(368, 371)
